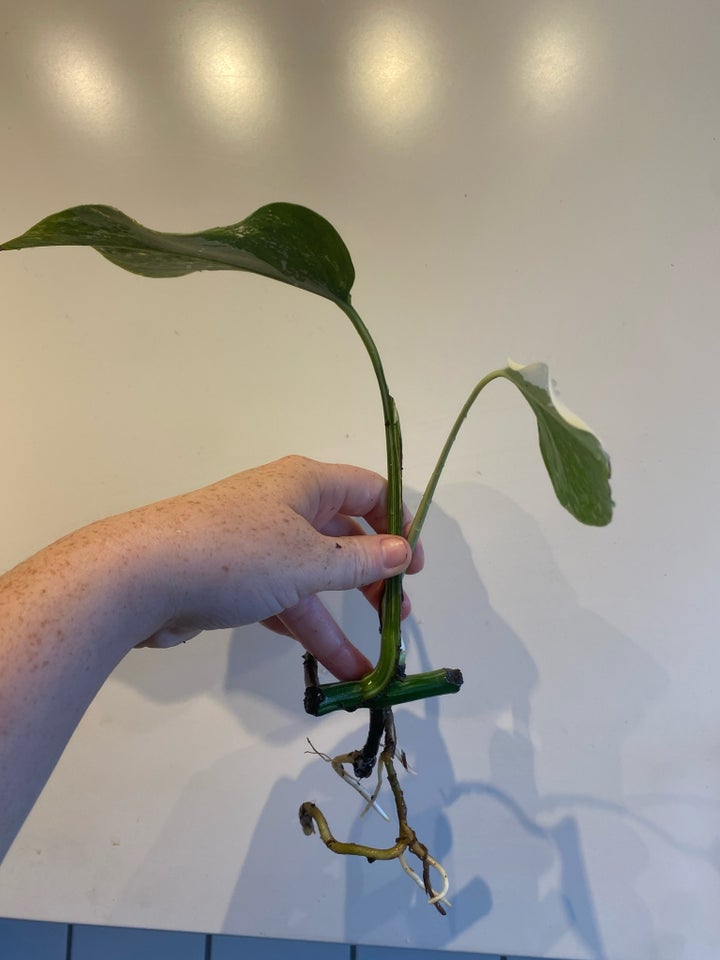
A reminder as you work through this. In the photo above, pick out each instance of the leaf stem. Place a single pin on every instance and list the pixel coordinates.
(384, 671)
(424, 506)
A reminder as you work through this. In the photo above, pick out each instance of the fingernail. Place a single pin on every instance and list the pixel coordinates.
(395, 552)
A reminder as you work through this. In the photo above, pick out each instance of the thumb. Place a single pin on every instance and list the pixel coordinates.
(361, 560)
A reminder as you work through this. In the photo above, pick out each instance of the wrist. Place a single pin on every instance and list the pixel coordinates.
(121, 565)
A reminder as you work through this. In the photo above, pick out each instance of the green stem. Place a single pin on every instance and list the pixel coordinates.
(386, 667)
(421, 512)
(382, 685)
(328, 697)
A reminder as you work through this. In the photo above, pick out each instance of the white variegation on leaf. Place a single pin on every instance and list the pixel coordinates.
(576, 461)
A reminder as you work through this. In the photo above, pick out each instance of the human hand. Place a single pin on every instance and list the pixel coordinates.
(259, 546)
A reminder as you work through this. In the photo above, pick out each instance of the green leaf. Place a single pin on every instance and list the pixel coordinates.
(283, 241)
(578, 465)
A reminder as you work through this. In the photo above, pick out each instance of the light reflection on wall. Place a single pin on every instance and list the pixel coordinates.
(231, 83)
(82, 81)
(393, 73)
(554, 66)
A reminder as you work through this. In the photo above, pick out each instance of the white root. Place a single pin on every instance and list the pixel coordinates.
(376, 792)
(440, 897)
(437, 896)
(353, 782)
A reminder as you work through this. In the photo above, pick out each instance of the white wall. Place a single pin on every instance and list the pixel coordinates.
(539, 180)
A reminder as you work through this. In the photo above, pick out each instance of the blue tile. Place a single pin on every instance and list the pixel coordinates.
(261, 948)
(32, 940)
(405, 953)
(118, 943)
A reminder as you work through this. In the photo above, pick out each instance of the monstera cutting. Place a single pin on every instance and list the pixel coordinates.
(292, 244)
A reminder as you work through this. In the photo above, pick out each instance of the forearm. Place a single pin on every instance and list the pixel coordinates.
(67, 617)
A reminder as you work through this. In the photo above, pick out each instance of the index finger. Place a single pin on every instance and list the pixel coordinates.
(356, 492)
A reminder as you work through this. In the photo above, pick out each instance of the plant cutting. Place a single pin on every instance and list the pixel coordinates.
(294, 245)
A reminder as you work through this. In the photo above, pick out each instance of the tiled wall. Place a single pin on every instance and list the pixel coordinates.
(30, 940)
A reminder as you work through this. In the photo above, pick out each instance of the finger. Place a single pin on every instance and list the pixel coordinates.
(343, 526)
(349, 490)
(374, 594)
(345, 489)
(277, 626)
(341, 563)
(310, 623)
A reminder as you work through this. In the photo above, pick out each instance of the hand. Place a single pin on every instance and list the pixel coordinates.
(257, 546)
(260, 545)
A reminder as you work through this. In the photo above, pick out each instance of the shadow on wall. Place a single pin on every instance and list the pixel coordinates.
(511, 852)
